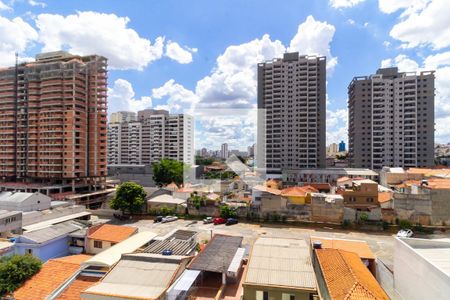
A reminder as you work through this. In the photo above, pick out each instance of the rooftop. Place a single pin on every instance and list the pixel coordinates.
(166, 198)
(52, 232)
(359, 247)
(217, 255)
(111, 233)
(281, 262)
(337, 171)
(181, 242)
(298, 191)
(14, 196)
(81, 283)
(346, 277)
(52, 274)
(137, 276)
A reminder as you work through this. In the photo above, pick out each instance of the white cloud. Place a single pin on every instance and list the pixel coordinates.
(344, 3)
(314, 37)
(177, 97)
(426, 24)
(386, 44)
(337, 124)
(440, 59)
(351, 21)
(3, 6)
(37, 3)
(121, 96)
(403, 62)
(410, 6)
(182, 55)
(105, 34)
(15, 35)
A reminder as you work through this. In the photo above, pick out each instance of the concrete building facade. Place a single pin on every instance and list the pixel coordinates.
(291, 128)
(53, 120)
(156, 135)
(391, 119)
(224, 153)
(123, 116)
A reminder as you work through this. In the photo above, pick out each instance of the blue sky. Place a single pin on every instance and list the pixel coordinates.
(186, 55)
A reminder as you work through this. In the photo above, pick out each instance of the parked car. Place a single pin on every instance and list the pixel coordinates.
(231, 221)
(169, 219)
(208, 220)
(405, 233)
(218, 221)
(158, 219)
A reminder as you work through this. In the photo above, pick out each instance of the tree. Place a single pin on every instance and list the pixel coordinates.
(227, 212)
(167, 171)
(15, 270)
(203, 161)
(130, 197)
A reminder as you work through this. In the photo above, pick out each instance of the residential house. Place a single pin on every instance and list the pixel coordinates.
(327, 208)
(167, 201)
(361, 195)
(326, 175)
(361, 248)
(19, 201)
(341, 275)
(390, 177)
(104, 236)
(6, 248)
(299, 195)
(53, 241)
(279, 269)
(52, 275)
(10, 222)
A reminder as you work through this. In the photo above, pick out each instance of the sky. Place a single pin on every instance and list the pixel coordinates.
(200, 56)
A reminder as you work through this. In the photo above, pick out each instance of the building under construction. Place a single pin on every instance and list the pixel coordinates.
(53, 124)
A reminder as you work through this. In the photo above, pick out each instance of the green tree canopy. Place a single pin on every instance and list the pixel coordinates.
(130, 197)
(167, 171)
(203, 161)
(15, 270)
(227, 212)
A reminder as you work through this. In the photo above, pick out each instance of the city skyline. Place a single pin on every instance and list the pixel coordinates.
(182, 60)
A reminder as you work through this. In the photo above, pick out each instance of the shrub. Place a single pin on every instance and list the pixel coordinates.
(15, 270)
(405, 224)
(346, 224)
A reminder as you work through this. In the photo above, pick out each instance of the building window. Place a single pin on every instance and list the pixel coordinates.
(262, 295)
(370, 199)
(98, 244)
(288, 297)
(29, 251)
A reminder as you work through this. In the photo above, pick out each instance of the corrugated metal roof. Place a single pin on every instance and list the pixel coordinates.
(281, 262)
(110, 256)
(137, 277)
(14, 196)
(218, 254)
(168, 199)
(47, 223)
(49, 233)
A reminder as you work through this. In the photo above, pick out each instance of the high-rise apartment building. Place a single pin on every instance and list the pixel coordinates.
(156, 135)
(53, 120)
(123, 116)
(224, 153)
(291, 128)
(391, 119)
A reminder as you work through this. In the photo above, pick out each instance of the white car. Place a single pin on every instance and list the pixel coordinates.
(169, 219)
(208, 220)
(405, 233)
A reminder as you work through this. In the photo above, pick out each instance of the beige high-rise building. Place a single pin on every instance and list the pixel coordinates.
(391, 119)
(123, 116)
(53, 121)
(291, 132)
(156, 135)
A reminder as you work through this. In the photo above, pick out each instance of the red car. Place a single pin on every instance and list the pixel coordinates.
(218, 221)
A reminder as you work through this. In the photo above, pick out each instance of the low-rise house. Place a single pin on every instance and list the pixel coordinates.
(327, 208)
(6, 248)
(299, 195)
(51, 276)
(361, 248)
(279, 269)
(10, 223)
(20, 201)
(421, 269)
(390, 177)
(362, 194)
(53, 241)
(104, 236)
(342, 275)
(328, 175)
(167, 201)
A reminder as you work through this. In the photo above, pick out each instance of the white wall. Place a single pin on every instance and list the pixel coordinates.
(416, 278)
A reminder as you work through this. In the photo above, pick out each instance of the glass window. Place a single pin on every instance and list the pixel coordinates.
(98, 244)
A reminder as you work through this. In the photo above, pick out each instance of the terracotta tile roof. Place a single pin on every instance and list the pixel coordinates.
(321, 186)
(52, 274)
(73, 291)
(428, 172)
(384, 197)
(111, 233)
(438, 183)
(359, 247)
(346, 277)
(263, 188)
(298, 191)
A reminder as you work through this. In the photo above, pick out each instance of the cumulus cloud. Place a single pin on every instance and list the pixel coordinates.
(337, 125)
(16, 35)
(182, 55)
(121, 96)
(344, 3)
(424, 24)
(3, 6)
(37, 3)
(105, 34)
(403, 62)
(409, 6)
(177, 97)
(314, 37)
